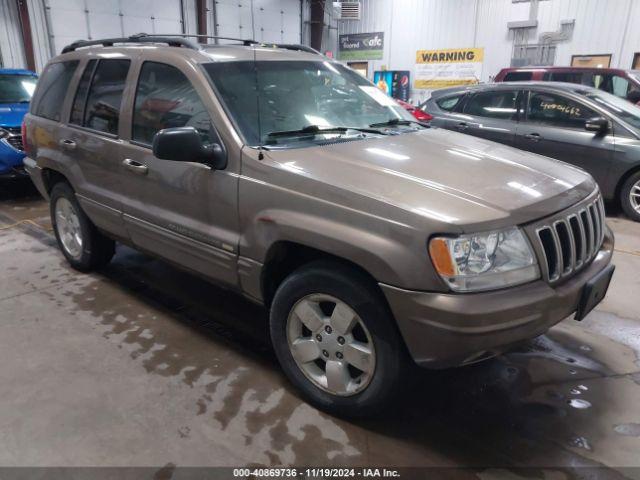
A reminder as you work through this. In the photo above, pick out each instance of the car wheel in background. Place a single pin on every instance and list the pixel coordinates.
(84, 247)
(336, 339)
(630, 197)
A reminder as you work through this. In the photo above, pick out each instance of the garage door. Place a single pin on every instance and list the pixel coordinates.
(276, 21)
(71, 20)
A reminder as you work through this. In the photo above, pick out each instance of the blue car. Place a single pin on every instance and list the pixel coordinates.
(16, 90)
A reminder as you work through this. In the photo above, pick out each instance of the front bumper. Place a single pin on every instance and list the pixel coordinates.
(443, 330)
(10, 160)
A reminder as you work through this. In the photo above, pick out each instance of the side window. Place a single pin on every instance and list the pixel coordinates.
(102, 111)
(501, 104)
(80, 100)
(552, 109)
(620, 86)
(569, 77)
(518, 76)
(449, 103)
(52, 89)
(165, 99)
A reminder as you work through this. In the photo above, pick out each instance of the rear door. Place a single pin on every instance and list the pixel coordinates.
(183, 211)
(492, 115)
(554, 126)
(445, 110)
(90, 140)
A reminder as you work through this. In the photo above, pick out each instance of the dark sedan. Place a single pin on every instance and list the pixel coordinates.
(589, 128)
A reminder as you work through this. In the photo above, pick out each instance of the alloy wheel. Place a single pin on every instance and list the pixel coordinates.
(68, 227)
(331, 344)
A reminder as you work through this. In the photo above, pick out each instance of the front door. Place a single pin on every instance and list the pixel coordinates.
(555, 127)
(182, 211)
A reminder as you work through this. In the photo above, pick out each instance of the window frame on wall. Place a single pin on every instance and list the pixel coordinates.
(608, 56)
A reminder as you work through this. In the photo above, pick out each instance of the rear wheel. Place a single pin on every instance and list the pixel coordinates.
(84, 247)
(335, 339)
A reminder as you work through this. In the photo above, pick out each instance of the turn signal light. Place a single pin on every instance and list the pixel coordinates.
(439, 252)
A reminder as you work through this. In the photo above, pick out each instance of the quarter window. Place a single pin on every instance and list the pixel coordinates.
(52, 89)
(104, 99)
(166, 99)
(501, 104)
(449, 103)
(558, 111)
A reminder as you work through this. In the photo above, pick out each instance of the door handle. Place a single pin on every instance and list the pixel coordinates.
(67, 144)
(135, 167)
(535, 137)
(462, 126)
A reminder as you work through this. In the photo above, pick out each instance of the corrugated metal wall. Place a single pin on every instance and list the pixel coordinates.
(602, 26)
(56, 23)
(11, 51)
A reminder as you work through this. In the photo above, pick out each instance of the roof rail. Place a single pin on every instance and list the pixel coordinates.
(173, 40)
(297, 47)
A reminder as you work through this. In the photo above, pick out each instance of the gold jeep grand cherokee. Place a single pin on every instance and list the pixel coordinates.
(373, 240)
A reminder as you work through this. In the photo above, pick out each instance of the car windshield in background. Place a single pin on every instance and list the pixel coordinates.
(16, 88)
(303, 102)
(623, 109)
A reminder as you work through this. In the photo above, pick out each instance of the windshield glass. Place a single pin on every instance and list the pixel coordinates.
(623, 109)
(296, 95)
(16, 88)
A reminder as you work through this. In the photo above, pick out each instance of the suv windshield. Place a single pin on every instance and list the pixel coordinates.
(280, 102)
(16, 88)
(623, 109)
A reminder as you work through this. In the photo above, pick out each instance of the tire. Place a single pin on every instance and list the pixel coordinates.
(313, 288)
(84, 247)
(631, 204)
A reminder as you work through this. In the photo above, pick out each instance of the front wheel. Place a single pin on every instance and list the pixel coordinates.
(630, 197)
(336, 340)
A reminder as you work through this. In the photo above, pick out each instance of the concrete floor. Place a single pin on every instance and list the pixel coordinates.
(143, 365)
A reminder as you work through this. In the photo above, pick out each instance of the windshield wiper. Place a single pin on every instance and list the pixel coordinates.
(317, 130)
(396, 121)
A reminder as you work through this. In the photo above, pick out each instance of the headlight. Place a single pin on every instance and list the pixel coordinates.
(484, 261)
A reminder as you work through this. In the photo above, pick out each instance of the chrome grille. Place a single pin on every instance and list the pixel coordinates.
(570, 241)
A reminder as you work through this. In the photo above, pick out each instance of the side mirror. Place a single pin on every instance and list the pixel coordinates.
(597, 124)
(184, 144)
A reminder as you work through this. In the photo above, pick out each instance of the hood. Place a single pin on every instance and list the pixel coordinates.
(445, 176)
(11, 114)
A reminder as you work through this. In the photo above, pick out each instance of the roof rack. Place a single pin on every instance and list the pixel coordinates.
(173, 40)
(297, 47)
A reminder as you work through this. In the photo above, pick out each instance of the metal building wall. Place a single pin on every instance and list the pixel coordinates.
(602, 26)
(11, 49)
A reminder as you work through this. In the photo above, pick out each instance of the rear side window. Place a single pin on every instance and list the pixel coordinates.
(518, 76)
(551, 109)
(165, 98)
(104, 99)
(569, 77)
(80, 100)
(502, 104)
(52, 89)
(449, 103)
